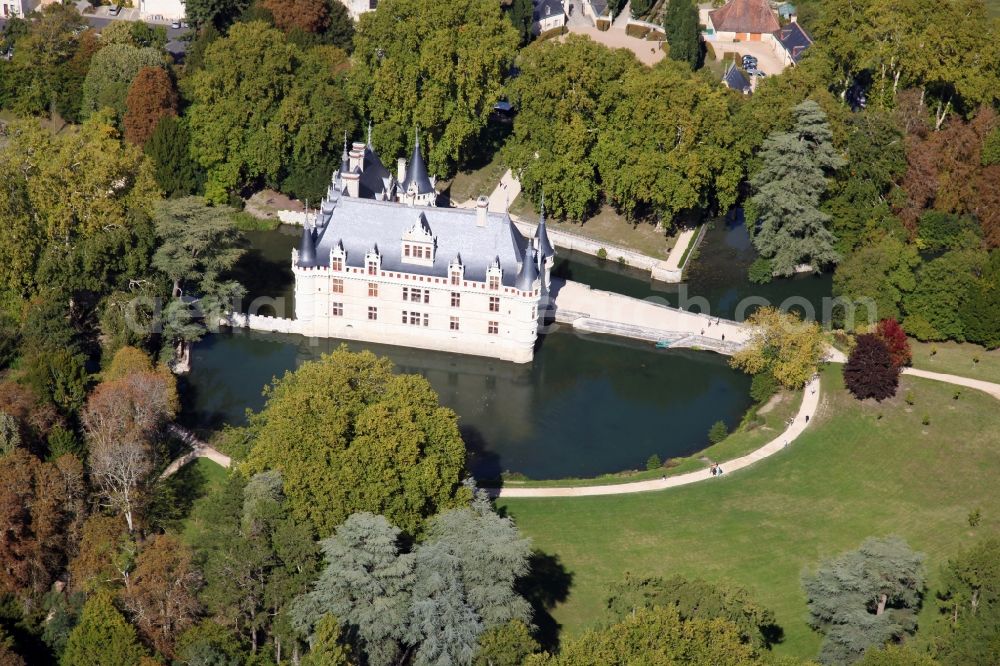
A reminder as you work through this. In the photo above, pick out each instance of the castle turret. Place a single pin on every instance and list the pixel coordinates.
(545, 249)
(526, 277)
(307, 249)
(417, 186)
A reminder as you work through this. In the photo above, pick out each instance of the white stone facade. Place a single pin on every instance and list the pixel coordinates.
(358, 7)
(162, 10)
(448, 314)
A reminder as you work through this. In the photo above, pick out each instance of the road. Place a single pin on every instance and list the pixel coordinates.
(175, 45)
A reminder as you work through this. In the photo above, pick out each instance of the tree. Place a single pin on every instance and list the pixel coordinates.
(198, 245)
(465, 574)
(506, 645)
(946, 280)
(718, 432)
(564, 94)
(308, 15)
(656, 636)
(209, 643)
(262, 107)
(980, 310)
(683, 33)
(102, 637)
(781, 344)
(409, 78)
(696, 599)
(161, 598)
(175, 171)
(366, 584)
(35, 514)
(122, 418)
(876, 276)
(666, 146)
(255, 560)
(895, 655)
(348, 435)
(106, 556)
(894, 337)
(521, 14)
(150, 97)
(968, 600)
(870, 371)
(327, 648)
(865, 597)
(112, 70)
(785, 222)
(217, 14)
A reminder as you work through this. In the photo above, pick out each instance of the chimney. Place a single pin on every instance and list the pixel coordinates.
(482, 207)
(400, 169)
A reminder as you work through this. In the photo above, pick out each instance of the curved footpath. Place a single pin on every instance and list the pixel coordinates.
(810, 401)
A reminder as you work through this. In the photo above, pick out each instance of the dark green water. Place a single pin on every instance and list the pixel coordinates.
(585, 406)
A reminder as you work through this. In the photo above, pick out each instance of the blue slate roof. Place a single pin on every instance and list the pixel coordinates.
(361, 224)
(548, 8)
(735, 79)
(793, 39)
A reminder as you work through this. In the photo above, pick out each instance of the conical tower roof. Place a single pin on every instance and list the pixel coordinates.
(416, 171)
(307, 249)
(526, 277)
(545, 248)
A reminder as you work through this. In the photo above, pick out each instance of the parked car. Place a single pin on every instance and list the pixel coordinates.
(184, 24)
(115, 11)
(176, 25)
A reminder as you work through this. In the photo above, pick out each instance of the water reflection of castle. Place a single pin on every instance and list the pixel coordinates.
(481, 389)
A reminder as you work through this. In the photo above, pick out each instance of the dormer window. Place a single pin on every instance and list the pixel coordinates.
(494, 274)
(372, 262)
(338, 257)
(419, 243)
(456, 271)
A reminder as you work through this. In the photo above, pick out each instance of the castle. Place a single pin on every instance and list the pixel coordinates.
(380, 262)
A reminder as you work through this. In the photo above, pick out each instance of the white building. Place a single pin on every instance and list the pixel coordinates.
(21, 8)
(358, 7)
(162, 10)
(548, 15)
(380, 262)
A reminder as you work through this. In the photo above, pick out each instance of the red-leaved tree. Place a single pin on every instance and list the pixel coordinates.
(869, 371)
(150, 97)
(307, 15)
(892, 334)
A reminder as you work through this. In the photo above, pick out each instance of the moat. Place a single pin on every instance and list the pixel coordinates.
(587, 405)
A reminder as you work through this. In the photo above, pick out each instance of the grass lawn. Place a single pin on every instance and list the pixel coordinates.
(957, 359)
(608, 226)
(862, 470)
(739, 443)
(200, 478)
(471, 184)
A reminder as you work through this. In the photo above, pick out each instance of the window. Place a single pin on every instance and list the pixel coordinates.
(337, 309)
(455, 277)
(493, 328)
(372, 267)
(534, 312)
(494, 304)
(427, 319)
(453, 324)
(456, 299)
(337, 264)
(418, 252)
(494, 282)
(427, 295)
(414, 319)
(373, 289)
(372, 312)
(404, 316)
(415, 295)
(337, 286)
(406, 250)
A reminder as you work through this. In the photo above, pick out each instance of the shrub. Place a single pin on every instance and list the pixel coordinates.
(718, 432)
(653, 462)
(869, 371)
(639, 31)
(763, 386)
(622, 262)
(602, 253)
(246, 222)
(894, 337)
(761, 271)
(926, 420)
(975, 517)
(909, 398)
(603, 24)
